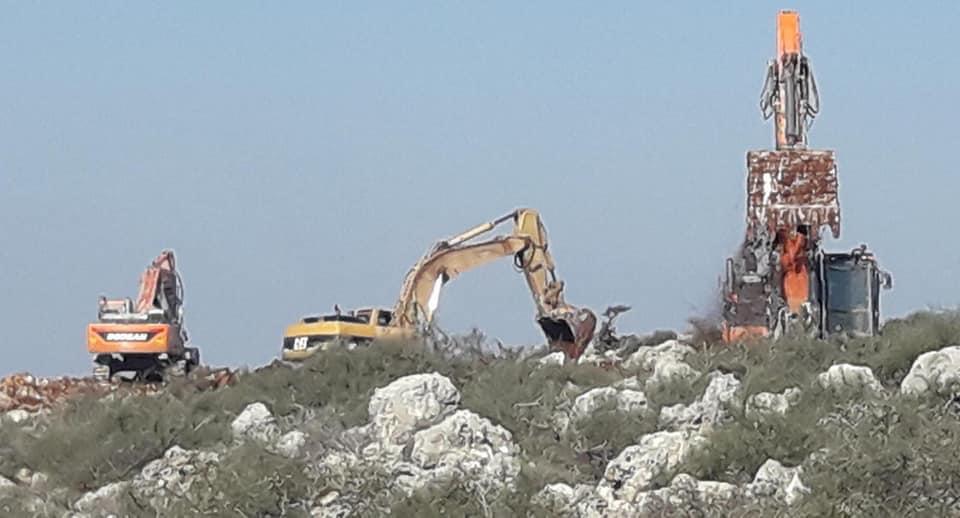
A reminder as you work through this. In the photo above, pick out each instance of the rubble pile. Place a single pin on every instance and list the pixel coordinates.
(23, 391)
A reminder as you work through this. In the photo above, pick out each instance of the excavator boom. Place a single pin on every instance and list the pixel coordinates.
(566, 328)
(780, 276)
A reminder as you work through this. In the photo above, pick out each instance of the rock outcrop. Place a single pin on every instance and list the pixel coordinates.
(934, 373)
(409, 404)
(640, 467)
(720, 397)
(846, 379)
(256, 423)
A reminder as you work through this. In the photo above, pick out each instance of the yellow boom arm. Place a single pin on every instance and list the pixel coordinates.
(566, 327)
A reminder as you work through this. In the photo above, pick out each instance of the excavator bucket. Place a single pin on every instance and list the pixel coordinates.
(788, 188)
(569, 331)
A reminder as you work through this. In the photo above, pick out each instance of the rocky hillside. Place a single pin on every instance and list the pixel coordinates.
(663, 425)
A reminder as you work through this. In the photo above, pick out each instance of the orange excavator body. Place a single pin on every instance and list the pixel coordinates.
(147, 336)
(796, 270)
(780, 278)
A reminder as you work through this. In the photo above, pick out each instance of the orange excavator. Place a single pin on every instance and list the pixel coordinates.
(780, 279)
(147, 338)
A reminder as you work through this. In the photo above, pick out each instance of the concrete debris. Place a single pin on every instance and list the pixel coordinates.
(23, 391)
(934, 373)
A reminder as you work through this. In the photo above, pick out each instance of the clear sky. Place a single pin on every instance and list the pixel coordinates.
(297, 155)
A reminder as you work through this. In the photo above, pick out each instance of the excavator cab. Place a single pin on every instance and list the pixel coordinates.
(850, 285)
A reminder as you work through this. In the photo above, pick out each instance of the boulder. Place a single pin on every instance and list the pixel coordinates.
(632, 383)
(647, 357)
(291, 444)
(668, 371)
(103, 501)
(409, 404)
(174, 474)
(639, 467)
(555, 359)
(563, 500)
(626, 401)
(765, 405)
(720, 396)
(160, 481)
(934, 373)
(847, 378)
(16, 416)
(329, 506)
(467, 448)
(255, 423)
(607, 358)
(774, 480)
(704, 498)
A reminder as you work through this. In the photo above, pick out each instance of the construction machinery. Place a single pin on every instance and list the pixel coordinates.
(144, 339)
(567, 328)
(781, 279)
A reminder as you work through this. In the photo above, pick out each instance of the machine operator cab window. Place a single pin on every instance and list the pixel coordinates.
(363, 315)
(851, 290)
(384, 317)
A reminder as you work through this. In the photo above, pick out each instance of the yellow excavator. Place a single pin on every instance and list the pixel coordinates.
(567, 328)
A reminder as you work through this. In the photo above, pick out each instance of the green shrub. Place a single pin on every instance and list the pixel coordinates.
(885, 457)
(249, 481)
(89, 443)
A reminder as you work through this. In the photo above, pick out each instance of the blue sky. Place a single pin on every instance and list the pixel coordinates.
(298, 155)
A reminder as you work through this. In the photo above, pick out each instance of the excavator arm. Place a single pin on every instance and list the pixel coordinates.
(779, 278)
(566, 327)
(160, 287)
